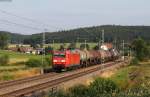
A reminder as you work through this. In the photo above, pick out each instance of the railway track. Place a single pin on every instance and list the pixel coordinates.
(20, 81)
(23, 87)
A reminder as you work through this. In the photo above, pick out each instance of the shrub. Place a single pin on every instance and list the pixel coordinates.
(102, 86)
(34, 63)
(59, 93)
(62, 47)
(82, 46)
(4, 59)
(46, 62)
(96, 47)
(134, 61)
(48, 50)
(78, 91)
(72, 46)
(7, 76)
(38, 63)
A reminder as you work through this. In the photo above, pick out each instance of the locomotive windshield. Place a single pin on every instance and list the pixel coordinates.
(59, 55)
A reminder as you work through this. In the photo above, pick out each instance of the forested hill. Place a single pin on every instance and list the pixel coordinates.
(14, 37)
(91, 34)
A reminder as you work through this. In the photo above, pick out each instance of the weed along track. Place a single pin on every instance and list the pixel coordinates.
(27, 86)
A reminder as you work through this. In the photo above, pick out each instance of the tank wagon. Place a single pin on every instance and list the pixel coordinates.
(70, 59)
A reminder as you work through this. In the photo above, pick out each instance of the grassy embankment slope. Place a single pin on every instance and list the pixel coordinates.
(133, 76)
(16, 67)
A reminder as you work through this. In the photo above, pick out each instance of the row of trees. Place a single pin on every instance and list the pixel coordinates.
(93, 34)
(4, 38)
(4, 59)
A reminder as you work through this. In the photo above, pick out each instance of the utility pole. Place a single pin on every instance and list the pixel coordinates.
(77, 42)
(123, 50)
(53, 43)
(85, 45)
(103, 40)
(43, 52)
(115, 43)
(99, 42)
(103, 37)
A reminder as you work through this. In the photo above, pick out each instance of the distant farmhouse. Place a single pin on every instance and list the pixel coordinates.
(27, 50)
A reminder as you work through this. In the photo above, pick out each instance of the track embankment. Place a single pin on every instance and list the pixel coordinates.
(22, 87)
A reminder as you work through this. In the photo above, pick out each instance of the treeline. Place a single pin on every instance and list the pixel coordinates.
(4, 40)
(91, 34)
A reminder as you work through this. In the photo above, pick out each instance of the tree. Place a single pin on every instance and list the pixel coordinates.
(4, 59)
(4, 40)
(61, 47)
(48, 50)
(141, 49)
(96, 47)
(72, 46)
(84, 46)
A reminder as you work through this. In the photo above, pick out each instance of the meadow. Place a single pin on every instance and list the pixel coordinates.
(16, 68)
(133, 75)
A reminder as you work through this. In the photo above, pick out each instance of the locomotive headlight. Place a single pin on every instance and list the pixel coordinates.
(54, 60)
(63, 60)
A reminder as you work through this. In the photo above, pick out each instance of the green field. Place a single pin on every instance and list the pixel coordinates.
(16, 57)
(16, 67)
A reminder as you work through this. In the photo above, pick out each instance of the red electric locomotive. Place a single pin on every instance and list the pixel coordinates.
(65, 59)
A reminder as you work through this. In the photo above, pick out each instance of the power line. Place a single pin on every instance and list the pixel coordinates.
(25, 18)
(21, 25)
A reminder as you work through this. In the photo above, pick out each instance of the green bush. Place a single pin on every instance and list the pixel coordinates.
(78, 91)
(102, 86)
(7, 76)
(48, 61)
(34, 63)
(4, 59)
(134, 61)
(38, 62)
(59, 93)
(82, 46)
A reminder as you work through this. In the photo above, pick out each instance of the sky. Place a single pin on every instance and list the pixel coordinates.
(35, 16)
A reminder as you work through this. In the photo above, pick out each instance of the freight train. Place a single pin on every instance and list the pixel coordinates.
(71, 59)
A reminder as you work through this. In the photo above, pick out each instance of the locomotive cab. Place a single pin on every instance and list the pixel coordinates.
(59, 60)
(66, 59)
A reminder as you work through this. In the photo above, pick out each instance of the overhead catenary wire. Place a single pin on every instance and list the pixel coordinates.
(33, 21)
(28, 19)
(21, 25)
